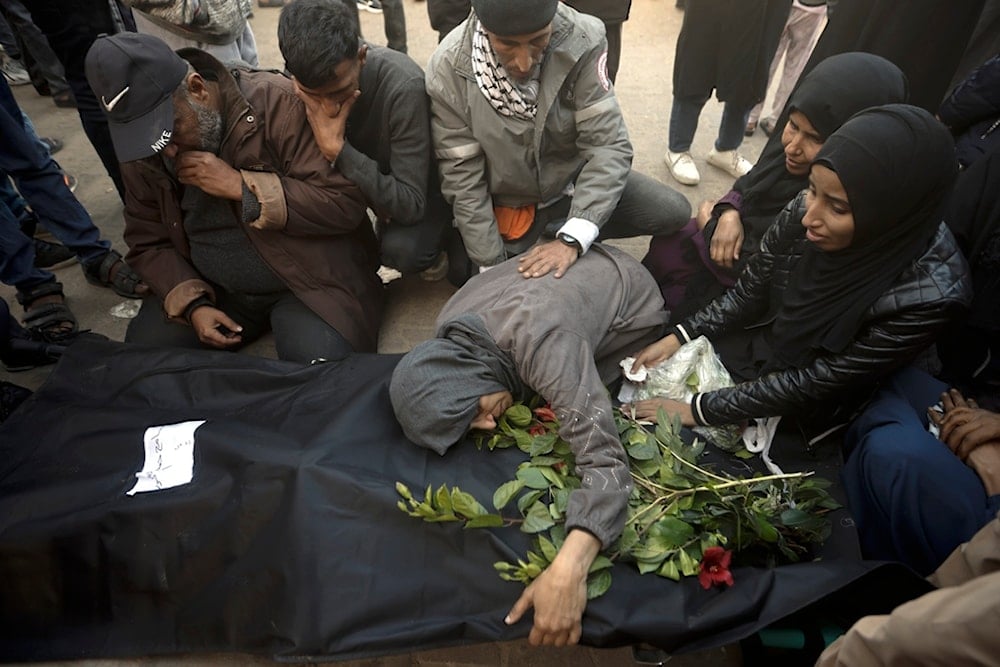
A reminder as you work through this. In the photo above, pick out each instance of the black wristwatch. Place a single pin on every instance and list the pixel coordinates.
(570, 241)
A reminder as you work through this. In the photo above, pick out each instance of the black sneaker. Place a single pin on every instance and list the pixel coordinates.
(50, 255)
(54, 145)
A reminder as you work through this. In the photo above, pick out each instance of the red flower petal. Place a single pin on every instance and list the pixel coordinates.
(714, 567)
(712, 554)
(545, 414)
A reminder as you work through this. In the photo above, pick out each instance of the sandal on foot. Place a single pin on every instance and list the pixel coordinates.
(50, 322)
(50, 255)
(124, 282)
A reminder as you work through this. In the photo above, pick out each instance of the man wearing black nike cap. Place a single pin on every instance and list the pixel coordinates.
(232, 215)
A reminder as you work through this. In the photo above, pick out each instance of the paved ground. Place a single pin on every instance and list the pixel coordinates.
(643, 88)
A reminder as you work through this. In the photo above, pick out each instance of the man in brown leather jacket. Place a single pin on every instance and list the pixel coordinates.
(232, 215)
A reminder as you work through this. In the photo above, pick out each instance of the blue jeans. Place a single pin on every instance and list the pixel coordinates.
(17, 254)
(40, 182)
(684, 122)
(13, 200)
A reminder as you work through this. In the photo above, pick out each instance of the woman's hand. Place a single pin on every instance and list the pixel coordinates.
(657, 353)
(647, 410)
(727, 239)
(964, 425)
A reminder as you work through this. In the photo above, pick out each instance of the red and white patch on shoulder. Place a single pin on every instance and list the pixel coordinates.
(602, 71)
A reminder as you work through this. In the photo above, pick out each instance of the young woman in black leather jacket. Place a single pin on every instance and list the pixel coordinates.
(856, 278)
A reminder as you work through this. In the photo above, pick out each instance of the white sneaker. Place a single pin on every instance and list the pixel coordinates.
(373, 6)
(13, 70)
(682, 167)
(729, 161)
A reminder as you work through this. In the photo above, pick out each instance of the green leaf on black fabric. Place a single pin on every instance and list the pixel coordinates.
(554, 478)
(598, 584)
(670, 570)
(547, 548)
(464, 504)
(527, 500)
(537, 519)
(485, 521)
(600, 563)
(532, 478)
(506, 493)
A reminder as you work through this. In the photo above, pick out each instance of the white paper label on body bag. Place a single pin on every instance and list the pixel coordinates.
(169, 457)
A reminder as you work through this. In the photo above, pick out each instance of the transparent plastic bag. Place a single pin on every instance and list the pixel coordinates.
(694, 368)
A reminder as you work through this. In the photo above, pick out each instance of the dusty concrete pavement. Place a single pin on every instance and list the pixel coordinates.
(643, 88)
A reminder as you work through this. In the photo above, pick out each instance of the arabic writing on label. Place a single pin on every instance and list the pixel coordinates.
(169, 457)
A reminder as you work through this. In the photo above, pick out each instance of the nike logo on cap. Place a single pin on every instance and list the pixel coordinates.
(114, 100)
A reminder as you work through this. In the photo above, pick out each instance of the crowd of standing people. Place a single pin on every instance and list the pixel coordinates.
(846, 280)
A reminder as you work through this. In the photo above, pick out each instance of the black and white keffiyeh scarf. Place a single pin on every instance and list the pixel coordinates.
(507, 98)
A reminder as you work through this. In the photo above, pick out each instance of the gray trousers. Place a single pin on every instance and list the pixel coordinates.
(647, 208)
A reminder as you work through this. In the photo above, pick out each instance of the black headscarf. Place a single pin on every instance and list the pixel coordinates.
(896, 164)
(839, 87)
(435, 388)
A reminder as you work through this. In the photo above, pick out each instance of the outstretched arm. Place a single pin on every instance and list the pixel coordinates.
(559, 594)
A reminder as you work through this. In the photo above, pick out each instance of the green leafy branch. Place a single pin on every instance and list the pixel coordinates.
(677, 510)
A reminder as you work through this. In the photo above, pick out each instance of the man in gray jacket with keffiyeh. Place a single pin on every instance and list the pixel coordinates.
(529, 137)
(501, 338)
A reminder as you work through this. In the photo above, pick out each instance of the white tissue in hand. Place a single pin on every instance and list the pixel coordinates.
(637, 376)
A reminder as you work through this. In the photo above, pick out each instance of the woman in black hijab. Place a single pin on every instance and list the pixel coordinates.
(856, 278)
(698, 263)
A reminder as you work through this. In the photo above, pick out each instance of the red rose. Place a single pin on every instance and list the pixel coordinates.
(537, 429)
(714, 567)
(545, 414)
